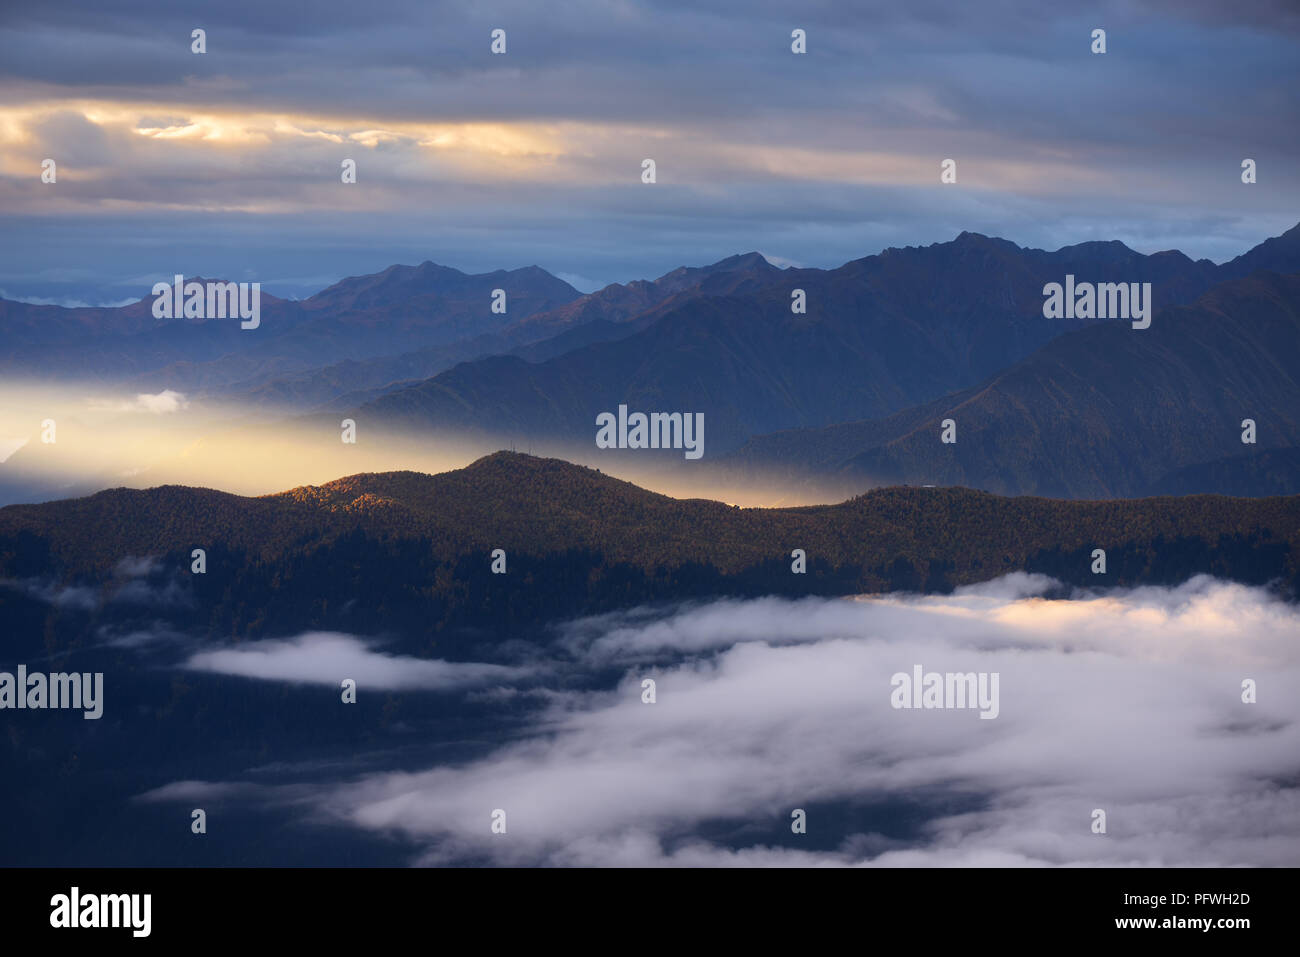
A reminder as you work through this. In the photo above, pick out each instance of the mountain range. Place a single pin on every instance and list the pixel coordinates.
(400, 310)
(1102, 412)
(855, 387)
(880, 334)
(890, 342)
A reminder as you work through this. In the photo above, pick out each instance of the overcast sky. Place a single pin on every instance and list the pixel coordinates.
(228, 163)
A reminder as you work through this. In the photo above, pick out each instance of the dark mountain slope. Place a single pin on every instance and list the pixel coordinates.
(1253, 473)
(1106, 411)
(575, 537)
(1278, 254)
(881, 334)
(613, 312)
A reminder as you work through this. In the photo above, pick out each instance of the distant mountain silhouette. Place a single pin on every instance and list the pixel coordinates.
(613, 312)
(889, 346)
(359, 338)
(1107, 411)
(402, 309)
(418, 291)
(881, 335)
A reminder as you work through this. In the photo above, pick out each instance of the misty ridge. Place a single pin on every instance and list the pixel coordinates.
(814, 383)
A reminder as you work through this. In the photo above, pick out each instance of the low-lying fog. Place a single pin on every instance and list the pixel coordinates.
(62, 440)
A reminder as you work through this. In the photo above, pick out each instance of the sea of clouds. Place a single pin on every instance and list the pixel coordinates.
(1129, 701)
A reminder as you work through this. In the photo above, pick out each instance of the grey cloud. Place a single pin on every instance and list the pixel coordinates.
(200, 791)
(156, 634)
(806, 223)
(1003, 63)
(133, 567)
(79, 597)
(1147, 125)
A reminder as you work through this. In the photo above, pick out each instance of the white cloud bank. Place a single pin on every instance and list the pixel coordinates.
(1128, 701)
(326, 658)
(161, 403)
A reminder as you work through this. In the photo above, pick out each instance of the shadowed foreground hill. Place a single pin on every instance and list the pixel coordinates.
(408, 547)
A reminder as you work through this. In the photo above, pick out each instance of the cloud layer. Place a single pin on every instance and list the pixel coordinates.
(327, 658)
(1129, 702)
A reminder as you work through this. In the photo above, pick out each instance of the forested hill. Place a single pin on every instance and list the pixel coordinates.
(930, 538)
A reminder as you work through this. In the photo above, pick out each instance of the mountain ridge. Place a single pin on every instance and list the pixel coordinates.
(1100, 412)
(537, 509)
(881, 334)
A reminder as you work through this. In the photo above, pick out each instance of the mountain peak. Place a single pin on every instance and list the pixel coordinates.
(1277, 254)
(1105, 248)
(740, 261)
(750, 260)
